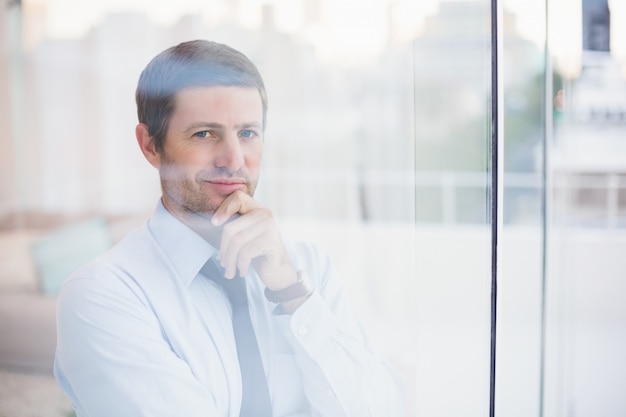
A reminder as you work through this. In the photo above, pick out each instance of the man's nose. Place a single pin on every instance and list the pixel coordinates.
(230, 154)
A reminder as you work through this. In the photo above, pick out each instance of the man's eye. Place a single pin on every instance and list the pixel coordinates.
(203, 134)
(247, 134)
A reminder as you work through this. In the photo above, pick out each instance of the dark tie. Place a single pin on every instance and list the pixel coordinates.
(255, 401)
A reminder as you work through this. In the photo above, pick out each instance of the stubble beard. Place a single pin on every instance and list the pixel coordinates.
(188, 194)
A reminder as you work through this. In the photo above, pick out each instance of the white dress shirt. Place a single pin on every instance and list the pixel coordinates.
(141, 332)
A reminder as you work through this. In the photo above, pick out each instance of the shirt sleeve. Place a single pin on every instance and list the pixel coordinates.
(132, 371)
(343, 375)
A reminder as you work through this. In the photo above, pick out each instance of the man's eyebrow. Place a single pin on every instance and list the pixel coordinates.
(219, 126)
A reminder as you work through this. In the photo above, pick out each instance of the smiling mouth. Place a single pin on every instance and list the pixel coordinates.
(227, 181)
(226, 185)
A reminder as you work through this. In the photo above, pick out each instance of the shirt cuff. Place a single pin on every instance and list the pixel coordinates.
(310, 326)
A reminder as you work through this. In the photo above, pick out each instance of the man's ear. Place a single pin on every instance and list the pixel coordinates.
(146, 144)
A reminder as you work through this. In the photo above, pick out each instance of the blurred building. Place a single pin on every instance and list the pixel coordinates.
(589, 148)
(452, 101)
(446, 58)
(596, 25)
(76, 154)
(341, 141)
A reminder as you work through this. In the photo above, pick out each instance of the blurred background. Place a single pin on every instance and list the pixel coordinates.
(378, 149)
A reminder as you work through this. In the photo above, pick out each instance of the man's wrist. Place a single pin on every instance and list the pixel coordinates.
(301, 289)
(290, 307)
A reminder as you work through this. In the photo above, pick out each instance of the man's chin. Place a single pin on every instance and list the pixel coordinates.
(201, 215)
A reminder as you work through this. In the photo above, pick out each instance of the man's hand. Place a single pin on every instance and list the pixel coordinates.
(252, 238)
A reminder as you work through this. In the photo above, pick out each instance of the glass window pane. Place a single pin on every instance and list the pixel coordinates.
(586, 294)
(521, 245)
(452, 134)
(339, 150)
(378, 150)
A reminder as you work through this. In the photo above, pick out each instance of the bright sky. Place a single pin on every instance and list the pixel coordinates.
(357, 25)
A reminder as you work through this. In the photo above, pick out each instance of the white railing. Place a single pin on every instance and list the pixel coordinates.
(589, 200)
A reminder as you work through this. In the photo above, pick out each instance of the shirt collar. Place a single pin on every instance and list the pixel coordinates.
(185, 249)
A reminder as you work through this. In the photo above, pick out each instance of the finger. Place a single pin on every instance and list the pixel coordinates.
(252, 250)
(238, 226)
(236, 203)
(241, 247)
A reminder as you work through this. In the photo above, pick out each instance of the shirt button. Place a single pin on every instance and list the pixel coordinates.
(303, 330)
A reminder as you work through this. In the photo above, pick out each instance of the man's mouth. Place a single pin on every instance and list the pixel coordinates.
(226, 185)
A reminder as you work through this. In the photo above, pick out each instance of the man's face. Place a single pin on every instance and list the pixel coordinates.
(213, 148)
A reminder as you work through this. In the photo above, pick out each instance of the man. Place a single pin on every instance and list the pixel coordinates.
(153, 327)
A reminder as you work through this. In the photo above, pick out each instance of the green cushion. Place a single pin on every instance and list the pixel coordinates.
(59, 253)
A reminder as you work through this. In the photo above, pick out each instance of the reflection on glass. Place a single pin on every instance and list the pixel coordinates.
(377, 149)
